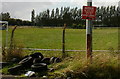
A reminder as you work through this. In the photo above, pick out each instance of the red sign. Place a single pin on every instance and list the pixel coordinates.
(89, 12)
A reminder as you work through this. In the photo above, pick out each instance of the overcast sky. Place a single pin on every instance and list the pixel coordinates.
(22, 8)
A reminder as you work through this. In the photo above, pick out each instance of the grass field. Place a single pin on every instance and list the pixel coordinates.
(51, 38)
(75, 65)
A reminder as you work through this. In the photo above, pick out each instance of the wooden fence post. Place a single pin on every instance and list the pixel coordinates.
(63, 41)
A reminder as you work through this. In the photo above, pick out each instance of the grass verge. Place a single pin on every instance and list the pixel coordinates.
(104, 66)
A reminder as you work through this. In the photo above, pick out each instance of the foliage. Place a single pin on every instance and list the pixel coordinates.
(12, 50)
(13, 21)
(33, 17)
(76, 66)
(104, 66)
(19, 22)
(79, 26)
(105, 16)
(5, 16)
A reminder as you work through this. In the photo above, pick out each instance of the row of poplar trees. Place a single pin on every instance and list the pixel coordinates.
(105, 16)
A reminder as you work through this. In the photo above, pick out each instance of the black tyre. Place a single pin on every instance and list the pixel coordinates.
(15, 60)
(37, 60)
(46, 60)
(38, 67)
(26, 56)
(26, 62)
(15, 70)
(57, 60)
(52, 59)
(3, 64)
(37, 55)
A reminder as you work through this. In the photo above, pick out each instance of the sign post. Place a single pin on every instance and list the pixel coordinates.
(89, 13)
(89, 35)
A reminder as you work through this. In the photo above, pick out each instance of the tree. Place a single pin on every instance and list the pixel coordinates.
(61, 12)
(72, 16)
(33, 16)
(75, 13)
(52, 14)
(67, 18)
(79, 14)
(5, 16)
(48, 13)
(57, 13)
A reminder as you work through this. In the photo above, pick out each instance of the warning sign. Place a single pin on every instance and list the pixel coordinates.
(89, 12)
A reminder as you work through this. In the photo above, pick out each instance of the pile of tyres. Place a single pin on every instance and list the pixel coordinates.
(34, 62)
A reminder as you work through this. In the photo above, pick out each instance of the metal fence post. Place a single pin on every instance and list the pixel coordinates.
(89, 35)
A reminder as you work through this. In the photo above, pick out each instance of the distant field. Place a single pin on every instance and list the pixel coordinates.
(51, 38)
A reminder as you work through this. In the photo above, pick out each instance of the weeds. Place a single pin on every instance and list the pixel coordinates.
(104, 66)
(14, 50)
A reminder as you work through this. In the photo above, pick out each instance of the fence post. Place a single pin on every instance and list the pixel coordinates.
(63, 42)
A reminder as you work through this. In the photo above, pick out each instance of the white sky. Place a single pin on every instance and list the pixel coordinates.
(22, 8)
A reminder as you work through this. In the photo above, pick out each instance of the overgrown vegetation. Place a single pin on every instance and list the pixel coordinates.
(104, 66)
(13, 50)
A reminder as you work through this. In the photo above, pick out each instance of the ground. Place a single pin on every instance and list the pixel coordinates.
(75, 65)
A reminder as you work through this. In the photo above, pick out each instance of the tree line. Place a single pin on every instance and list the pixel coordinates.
(12, 21)
(105, 16)
(57, 17)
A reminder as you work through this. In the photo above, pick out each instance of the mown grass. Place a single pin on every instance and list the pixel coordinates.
(51, 38)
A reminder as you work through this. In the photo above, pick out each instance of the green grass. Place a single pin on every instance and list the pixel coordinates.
(104, 65)
(51, 38)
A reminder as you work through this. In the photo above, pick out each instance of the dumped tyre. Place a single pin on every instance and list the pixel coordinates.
(3, 64)
(15, 70)
(15, 60)
(26, 56)
(38, 67)
(26, 62)
(57, 60)
(37, 55)
(37, 60)
(52, 59)
(46, 60)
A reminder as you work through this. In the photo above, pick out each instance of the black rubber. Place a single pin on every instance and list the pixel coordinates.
(52, 59)
(3, 64)
(37, 55)
(26, 56)
(57, 60)
(15, 70)
(46, 60)
(37, 60)
(38, 67)
(26, 62)
(15, 60)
